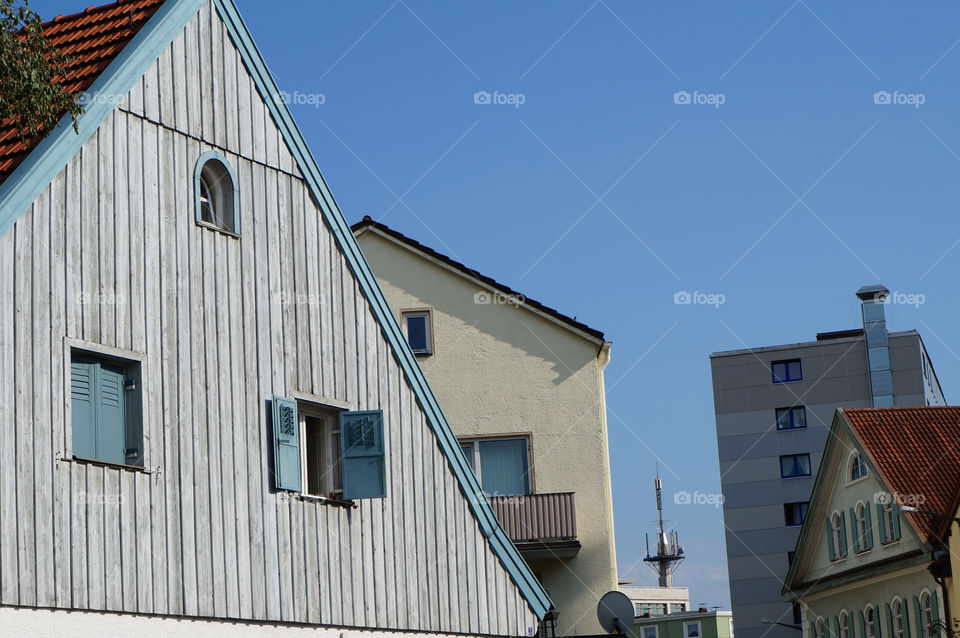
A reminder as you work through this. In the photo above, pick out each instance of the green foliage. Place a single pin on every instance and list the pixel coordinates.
(30, 69)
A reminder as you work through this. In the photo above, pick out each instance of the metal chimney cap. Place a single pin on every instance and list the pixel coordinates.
(876, 292)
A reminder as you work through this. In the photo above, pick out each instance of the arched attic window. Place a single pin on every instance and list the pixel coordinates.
(216, 194)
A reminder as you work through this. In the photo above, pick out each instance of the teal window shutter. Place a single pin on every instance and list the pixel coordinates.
(889, 618)
(843, 535)
(854, 532)
(111, 435)
(919, 614)
(935, 609)
(882, 524)
(362, 459)
(868, 526)
(896, 532)
(905, 606)
(836, 623)
(286, 444)
(83, 391)
(863, 625)
(830, 534)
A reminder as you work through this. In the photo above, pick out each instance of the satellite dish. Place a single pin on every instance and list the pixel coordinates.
(615, 612)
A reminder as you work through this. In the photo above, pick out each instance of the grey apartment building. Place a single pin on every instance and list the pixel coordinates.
(774, 406)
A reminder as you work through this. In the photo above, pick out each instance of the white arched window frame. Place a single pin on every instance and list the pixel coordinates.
(926, 609)
(856, 468)
(818, 628)
(837, 535)
(216, 194)
(896, 611)
(844, 621)
(870, 622)
(861, 527)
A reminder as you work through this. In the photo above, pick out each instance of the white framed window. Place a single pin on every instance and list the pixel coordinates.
(731, 627)
(896, 610)
(502, 464)
(418, 326)
(856, 468)
(818, 628)
(926, 609)
(862, 528)
(838, 543)
(870, 622)
(322, 470)
(216, 194)
(650, 631)
(889, 531)
(844, 621)
(691, 629)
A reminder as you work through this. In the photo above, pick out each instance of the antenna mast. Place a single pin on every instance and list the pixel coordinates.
(669, 553)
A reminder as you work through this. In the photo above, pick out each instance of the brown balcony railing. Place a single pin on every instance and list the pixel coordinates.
(537, 517)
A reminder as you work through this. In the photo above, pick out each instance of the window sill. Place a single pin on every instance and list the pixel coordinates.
(214, 227)
(322, 500)
(857, 480)
(798, 476)
(117, 466)
(800, 427)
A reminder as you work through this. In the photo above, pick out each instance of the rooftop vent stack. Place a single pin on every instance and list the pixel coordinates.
(878, 353)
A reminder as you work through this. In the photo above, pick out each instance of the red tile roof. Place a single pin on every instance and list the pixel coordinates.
(368, 222)
(918, 451)
(92, 39)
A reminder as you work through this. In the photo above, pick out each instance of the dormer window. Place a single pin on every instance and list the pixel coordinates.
(216, 193)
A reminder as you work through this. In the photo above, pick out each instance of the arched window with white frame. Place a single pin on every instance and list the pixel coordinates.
(929, 615)
(857, 468)
(217, 197)
(818, 628)
(899, 623)
(870, 622)
(844, 622)
(838, 545)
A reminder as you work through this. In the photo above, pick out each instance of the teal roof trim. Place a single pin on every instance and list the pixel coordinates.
(509, 556)
(34, 174)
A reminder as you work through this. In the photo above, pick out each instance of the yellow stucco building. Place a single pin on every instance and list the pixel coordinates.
(523, 388)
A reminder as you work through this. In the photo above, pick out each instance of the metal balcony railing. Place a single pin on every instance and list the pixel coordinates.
(537, 517)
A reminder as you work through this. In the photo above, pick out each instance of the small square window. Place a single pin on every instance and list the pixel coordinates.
(323, 471)
(691, 630)
(794, 465)
(418, 326)
(794, 513)
(650, 632)
(791, 418)
(786, 371)
(106, 412)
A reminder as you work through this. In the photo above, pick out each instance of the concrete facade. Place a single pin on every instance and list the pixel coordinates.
(502, 369)
(834, 374)
(649, 599)
(708, 624)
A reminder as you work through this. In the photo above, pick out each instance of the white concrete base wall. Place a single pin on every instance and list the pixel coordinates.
(24, 621)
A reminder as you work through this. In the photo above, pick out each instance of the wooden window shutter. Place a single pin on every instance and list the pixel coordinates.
(863, 625)
(882, 523)
(286, 444)
(905, 606)
(868, 527)
(890, 631)
(935, 612)
(111, 434)
(919, 614)
(83, 390)
(361, 441)
(854, 530)
(843, 535)
(896, 529)
(830, 540)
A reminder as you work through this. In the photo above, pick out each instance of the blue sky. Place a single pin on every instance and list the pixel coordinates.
(602, 196)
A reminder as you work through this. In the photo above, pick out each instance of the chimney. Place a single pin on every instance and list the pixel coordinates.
(878, 354)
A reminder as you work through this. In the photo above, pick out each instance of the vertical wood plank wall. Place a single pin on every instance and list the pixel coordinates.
(110, 254)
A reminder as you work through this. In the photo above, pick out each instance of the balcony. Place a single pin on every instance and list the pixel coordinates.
(540, 525)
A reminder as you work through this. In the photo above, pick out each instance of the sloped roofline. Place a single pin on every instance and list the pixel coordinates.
(398, 238)
(49, 157)
(816, 495)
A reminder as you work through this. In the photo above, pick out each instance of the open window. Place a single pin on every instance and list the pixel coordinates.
(106, 409)
(320, 453)
(216, 194)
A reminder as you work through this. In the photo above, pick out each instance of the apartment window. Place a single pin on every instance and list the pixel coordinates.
(844, 622)
(501, 464)
(418, 326)
(870, 621)
(786, 371)
(794, 465)
(216, 194)
(320, 453)
(791, 418)
(858, 468)
(677, 608)
(896, 609)
(106, 410)
(790, 556)
(863, 534)
(650, 632)
(818, 628)
(793, 513)
(889, 525)
(797, 619)
(691, 630)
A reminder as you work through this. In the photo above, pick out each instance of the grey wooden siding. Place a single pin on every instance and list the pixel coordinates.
(110, 254)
